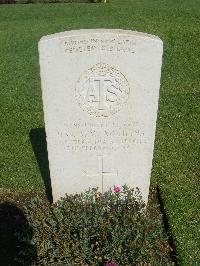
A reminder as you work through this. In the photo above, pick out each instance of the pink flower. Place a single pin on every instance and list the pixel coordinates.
(117, 189)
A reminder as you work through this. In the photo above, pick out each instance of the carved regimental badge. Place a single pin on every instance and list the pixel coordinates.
(102, 90)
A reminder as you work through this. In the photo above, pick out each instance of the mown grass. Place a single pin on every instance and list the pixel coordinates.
(176, 159)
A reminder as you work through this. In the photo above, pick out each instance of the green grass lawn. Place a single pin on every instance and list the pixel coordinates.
(176, 158)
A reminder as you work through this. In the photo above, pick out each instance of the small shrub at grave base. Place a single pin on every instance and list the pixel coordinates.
(92, 228)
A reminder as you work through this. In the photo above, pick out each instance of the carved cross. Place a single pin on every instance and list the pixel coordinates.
(102, 171)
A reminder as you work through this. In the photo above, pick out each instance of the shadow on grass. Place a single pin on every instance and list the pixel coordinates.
(12, 223)
(173, 252)
(39, 145)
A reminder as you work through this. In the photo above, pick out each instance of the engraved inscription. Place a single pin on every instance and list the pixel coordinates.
(117, 45)
(102, 90)
(101, 137)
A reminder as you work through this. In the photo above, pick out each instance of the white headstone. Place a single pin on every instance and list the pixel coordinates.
(100, 94)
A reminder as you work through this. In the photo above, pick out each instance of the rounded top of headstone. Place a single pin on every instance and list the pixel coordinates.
(72, 33)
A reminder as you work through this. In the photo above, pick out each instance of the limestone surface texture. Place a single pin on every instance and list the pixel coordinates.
(100, 92)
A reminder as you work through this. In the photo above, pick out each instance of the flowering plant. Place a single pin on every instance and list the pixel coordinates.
(92, 228)
(117, 189)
